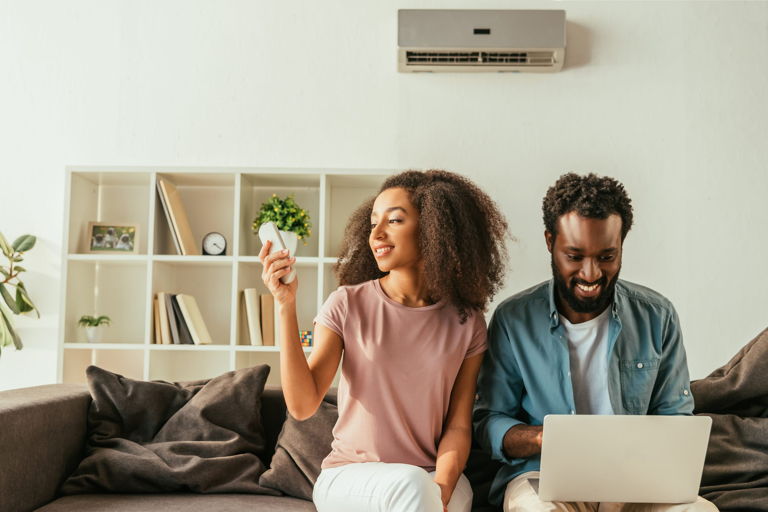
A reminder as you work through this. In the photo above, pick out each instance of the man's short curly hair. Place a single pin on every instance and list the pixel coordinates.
(590, 196)
(461, 236)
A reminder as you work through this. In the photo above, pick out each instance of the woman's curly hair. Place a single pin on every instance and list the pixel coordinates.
(462, 239)
(590, 196)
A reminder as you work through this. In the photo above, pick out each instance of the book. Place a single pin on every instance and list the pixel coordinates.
(179, 219)
(164, 202)
(162, 314)
(252, 306)
(172, 322)
(267, 320)
(185, 337)
(193, 319)
(156, 322)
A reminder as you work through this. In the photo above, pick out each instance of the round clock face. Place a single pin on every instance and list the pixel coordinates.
(214, 244)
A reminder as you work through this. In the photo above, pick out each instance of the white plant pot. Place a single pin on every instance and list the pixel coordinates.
(291, 241)
(93, 334)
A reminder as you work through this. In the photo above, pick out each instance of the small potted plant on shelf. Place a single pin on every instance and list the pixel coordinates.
(16, 303)
(291, 219)
(92, 324)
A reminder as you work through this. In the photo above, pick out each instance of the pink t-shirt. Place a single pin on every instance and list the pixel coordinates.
(397, 373)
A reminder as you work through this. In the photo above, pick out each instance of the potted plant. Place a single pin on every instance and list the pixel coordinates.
(18, 302)
(291, 219)
(92, 324)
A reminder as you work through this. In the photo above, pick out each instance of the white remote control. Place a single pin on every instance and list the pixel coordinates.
(269, 231)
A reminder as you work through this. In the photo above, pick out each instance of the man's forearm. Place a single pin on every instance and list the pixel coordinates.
(523, 441)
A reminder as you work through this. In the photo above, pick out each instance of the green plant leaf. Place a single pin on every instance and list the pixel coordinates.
(25, 297)
(4, 246)
(24, 303)
(24, 243)
(103, 319)
(4, 272)
(86, 321)
(9, 299)
(8, 334)
(17, 259)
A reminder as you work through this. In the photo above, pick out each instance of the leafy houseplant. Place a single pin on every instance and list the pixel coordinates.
(14, 303)
(91, 324)
(287, 215)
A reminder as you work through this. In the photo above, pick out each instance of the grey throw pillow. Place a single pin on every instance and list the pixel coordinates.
(301, 448)
(204, 436)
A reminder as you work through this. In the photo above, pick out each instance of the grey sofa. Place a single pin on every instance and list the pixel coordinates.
(42, 440)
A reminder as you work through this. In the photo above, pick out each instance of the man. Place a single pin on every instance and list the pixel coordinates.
(584, 342)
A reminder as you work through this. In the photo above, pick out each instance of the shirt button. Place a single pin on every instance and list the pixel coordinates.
(685, 392)
(573, 412)
(639, 365)
(569, 374)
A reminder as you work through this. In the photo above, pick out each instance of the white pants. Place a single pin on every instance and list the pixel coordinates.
(382, 487)
(521, 495)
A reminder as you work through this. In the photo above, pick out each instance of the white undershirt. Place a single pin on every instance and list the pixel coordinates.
(588, 348)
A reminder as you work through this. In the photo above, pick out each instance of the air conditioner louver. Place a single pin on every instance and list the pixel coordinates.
(451, 58)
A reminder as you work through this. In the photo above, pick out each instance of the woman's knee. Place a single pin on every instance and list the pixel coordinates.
(413, 489)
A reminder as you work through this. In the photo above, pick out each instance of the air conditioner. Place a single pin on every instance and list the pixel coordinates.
(454, 40)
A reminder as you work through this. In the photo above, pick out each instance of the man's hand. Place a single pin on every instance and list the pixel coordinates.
(523, 441)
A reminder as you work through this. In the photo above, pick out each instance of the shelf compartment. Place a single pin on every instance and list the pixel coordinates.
(128, 363)
(187, 365)
(113, 288)
(208, 200)
(211, 286)
(113, 198)
(249, 276)
(344, 194)
(255, 189)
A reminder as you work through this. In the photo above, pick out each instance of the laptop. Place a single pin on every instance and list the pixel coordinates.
(628, 459)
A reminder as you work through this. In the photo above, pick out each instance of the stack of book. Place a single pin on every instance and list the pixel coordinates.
(176, 215)
(178, 320)
(262, 314)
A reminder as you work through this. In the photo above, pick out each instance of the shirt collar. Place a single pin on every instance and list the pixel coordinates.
(554, 319)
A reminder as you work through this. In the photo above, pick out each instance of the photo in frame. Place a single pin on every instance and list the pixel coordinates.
(103, 237)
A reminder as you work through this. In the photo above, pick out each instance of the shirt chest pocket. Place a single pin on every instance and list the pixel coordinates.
(638, 376)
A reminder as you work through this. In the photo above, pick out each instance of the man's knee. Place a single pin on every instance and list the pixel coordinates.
(702, 505)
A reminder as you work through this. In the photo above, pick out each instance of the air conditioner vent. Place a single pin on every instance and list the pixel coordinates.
(454, 58)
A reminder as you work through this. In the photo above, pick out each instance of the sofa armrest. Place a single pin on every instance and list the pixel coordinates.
(42, 438)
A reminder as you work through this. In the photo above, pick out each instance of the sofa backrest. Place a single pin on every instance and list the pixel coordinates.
(273, 412)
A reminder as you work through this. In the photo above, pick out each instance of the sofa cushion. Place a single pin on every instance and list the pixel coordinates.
(301, 448)
(177, 503)
(203, 436)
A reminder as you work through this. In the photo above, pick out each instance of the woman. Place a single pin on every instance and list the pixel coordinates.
(419, 264)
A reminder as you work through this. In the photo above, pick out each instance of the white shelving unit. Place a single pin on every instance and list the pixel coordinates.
(223, 200)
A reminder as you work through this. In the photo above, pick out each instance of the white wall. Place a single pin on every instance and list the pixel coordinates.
(669, 97)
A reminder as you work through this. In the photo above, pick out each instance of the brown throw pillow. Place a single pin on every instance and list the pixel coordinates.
(203, 436)
(301, 448)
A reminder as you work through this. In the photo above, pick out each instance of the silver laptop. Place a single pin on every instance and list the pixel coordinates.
(628, 459)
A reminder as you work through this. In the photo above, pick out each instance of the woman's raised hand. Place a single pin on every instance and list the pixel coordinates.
(275, 266)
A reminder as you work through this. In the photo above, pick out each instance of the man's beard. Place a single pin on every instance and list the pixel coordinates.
(567, 292)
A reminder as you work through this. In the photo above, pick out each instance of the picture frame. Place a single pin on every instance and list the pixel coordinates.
(112, 238)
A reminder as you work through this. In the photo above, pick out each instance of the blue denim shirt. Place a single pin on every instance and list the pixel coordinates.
(526, 372)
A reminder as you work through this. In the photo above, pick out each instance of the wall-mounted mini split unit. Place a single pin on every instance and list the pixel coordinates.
(480, 40)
